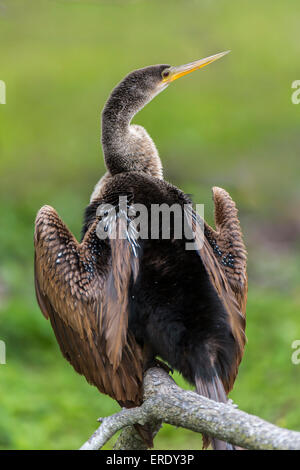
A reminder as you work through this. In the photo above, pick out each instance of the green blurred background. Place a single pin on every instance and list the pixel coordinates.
(232, 124)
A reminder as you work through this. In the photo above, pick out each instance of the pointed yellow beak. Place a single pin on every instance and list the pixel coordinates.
(171, 74)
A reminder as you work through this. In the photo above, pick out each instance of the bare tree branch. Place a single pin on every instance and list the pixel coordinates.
(165, 402)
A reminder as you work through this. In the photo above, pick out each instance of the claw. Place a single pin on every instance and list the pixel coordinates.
(164, 366)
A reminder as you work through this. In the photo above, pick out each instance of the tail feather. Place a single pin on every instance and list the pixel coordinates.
(214, 390)
(145, 432)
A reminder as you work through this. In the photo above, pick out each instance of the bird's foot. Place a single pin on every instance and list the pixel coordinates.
(163, 365)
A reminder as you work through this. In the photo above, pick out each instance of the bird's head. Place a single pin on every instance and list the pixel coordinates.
(144, 84)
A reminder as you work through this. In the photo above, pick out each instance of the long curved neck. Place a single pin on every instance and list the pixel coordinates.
(127, 147)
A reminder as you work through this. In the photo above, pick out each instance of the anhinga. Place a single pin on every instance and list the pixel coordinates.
(116, 304)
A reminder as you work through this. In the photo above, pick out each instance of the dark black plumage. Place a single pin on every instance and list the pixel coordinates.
(175, 311)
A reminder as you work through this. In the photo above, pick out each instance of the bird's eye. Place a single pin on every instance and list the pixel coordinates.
(165, 74)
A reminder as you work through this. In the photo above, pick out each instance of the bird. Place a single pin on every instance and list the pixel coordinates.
(119, 304)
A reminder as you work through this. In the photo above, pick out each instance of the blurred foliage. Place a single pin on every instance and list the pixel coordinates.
(231, 125)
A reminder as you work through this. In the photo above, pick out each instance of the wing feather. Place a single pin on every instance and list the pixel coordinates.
(228, 244)
(71, 289)
(223, 285)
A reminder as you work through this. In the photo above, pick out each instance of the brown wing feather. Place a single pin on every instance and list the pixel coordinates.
(236, 318)
(71, 290)
(229, 239)
(230, 283)
(115, 310)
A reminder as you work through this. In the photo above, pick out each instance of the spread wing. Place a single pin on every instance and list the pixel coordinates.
(224, 256)
(228, 245)
(78, 290)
